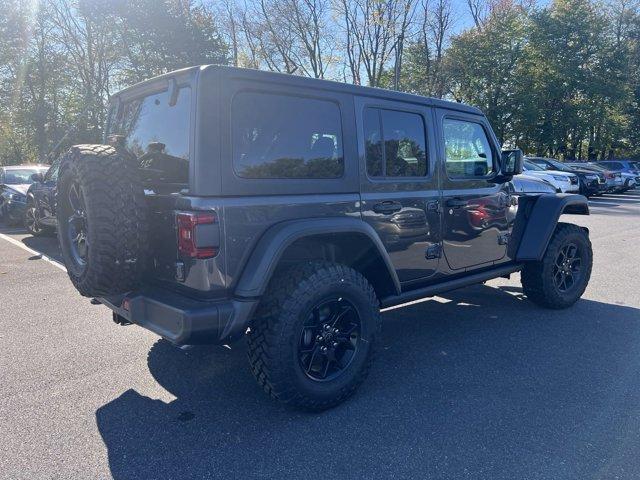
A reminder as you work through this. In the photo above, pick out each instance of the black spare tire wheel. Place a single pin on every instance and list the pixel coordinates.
(102, 220)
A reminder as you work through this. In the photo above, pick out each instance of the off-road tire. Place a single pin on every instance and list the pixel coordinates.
(537, 277)
(274, 335)
(116, 219)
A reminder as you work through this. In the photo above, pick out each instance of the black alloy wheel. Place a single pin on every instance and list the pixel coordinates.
(32, 219)
(329, 340)
(567, 267)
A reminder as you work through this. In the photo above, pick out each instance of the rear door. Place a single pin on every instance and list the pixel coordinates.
(475, 216)
(399, 187)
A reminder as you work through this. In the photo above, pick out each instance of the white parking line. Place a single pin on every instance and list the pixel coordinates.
(17, 243)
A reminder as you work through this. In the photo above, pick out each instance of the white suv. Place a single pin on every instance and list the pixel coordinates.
(564, 182)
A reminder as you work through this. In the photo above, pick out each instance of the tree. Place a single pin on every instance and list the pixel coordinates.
(483, 65)
(424, 71)
(373, 31)
(577, 76)
(158, 37)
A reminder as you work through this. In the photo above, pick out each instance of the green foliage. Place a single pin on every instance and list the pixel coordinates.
(555, 82)
(61, 59)
(485, 68)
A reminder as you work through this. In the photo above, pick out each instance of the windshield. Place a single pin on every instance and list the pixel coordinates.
(531, 166)
(17, 177)
(592, 166)
(559, 166)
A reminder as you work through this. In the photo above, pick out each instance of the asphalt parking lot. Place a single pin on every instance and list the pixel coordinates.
(478, 383)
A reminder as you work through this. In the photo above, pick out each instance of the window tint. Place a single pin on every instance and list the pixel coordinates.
(156, 131)
(467, 149)
(279, 136)
(395, 144)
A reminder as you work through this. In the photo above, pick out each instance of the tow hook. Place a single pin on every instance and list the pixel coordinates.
(120, 320)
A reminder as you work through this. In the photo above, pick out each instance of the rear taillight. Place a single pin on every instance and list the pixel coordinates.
(188, 239)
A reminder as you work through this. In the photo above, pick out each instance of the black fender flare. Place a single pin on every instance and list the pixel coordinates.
(537, 219)
(273, 243)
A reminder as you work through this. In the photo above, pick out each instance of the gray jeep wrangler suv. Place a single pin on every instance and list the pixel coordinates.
(228, 203)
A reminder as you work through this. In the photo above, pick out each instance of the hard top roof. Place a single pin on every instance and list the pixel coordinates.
(297, 80)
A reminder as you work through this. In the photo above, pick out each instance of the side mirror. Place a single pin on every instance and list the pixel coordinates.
(511, 162)
(37, 177)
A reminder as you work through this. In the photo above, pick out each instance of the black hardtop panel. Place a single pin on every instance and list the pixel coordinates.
(156, 83)
(338, 87)
(296, 80)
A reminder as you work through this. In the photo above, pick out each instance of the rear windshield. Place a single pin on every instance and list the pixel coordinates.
(155, 129)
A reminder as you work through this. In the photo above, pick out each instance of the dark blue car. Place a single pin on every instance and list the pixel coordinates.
(40, 215)
(14, 183)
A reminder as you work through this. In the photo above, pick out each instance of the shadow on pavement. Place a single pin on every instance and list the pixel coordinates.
(479, 384)
(47, 244)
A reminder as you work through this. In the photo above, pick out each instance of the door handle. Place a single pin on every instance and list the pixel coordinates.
(456, 203)
(387, 207)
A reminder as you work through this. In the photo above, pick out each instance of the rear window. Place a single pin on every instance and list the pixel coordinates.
(282, 136)
(155, 129)
(395, 143)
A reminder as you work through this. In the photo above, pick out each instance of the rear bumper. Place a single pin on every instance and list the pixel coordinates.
(182, 320)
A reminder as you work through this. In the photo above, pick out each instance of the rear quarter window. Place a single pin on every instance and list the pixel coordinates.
(285, 136)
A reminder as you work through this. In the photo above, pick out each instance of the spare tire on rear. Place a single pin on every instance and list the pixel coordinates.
(102, 220)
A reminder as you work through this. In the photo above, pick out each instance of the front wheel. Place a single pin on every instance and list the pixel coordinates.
(561, 277)
(32, 219)
(313, 339)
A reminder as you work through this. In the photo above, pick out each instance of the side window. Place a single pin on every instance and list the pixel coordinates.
(395, 143)
(282, 136)
(468, 152)
(52, 173)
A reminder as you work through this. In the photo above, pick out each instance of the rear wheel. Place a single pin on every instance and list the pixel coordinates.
(313, 341)
(561, 277)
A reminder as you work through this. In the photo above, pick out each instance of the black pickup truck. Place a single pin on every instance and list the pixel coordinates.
(229, 203)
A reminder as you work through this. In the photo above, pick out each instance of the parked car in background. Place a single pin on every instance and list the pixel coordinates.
(531, 185)
(591, 183)
(14, 183)
(40, 212)
(615, 183)
(630, 171)
(563, 182)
